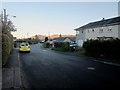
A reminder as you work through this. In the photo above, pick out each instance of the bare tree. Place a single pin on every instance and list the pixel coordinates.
(9, 26)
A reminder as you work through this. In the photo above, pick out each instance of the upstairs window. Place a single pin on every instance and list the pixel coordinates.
(88, 31)
(77, 32)
(109, 30)
(101, 31)
(82, 31)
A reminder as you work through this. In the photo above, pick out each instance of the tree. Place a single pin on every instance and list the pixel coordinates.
(11, 27)
(36, 37)
(7, 38)
(46, 39)
(60, 36)
(8, 25)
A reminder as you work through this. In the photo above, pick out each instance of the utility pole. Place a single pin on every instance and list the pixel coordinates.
(1, 16)
(49, 35)
(60, 36)
(27, 35)
(5, 16)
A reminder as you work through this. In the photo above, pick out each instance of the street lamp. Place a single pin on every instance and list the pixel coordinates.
(6, 16)
(7, 21)
(11, 15)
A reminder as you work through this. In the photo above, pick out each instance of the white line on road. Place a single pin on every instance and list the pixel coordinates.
(44, 50)
(19, 74)
(91, 68)
(106, 62)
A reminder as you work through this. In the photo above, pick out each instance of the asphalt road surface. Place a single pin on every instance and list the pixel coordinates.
(44, 68)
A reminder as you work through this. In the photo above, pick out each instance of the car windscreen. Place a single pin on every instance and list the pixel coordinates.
(22, 45)
(26, 44)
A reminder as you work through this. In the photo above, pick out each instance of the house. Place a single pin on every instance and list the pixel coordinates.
(105, 28)
(64, 39)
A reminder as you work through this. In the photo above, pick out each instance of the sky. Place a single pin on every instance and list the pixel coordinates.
(56, 17)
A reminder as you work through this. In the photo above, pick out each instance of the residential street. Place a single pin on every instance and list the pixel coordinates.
(44, 68)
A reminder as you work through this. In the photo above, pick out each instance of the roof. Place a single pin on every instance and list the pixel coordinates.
(63, 38)
(72, 38)
(103, 22)
(60, 39)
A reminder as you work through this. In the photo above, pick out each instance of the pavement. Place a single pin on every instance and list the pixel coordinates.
(0, 78)
(44, 68)
(0, 60)
(11, 77)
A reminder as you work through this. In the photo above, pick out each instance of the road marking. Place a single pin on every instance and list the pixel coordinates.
(44, 50)
(19, 70)
(109, 63)
(91, 68)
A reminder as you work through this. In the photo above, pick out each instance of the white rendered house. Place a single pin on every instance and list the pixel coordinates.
(105, 28)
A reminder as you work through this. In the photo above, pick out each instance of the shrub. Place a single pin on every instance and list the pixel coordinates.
(80, 50)
(63, 46)
(103, 48)
(7, 45)
(5, 49)
(46, 45)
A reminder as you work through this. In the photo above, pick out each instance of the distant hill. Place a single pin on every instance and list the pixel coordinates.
(42, 37)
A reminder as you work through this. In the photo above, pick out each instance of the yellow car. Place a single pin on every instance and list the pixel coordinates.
(24, 47)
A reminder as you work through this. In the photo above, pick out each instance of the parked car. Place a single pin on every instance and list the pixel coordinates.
(73, 46)
(24, 47)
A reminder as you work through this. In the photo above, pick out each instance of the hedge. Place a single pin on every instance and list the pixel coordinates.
(62, 46)
(46, 45)
(103, 48)
(7, 45)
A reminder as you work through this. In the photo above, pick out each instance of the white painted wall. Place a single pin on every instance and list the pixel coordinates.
(118, 31)
(80, 37)
(89, 34)
(67, 40)
(106, 32)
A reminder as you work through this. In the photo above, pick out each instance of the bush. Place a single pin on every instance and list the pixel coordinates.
(103, 48)
(7, 45)
(46, 45)
(80, 50)
(5, 49)
(65, 46)
(61, 46)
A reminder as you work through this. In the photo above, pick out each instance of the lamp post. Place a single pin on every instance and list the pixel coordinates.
(7, 22)
(5, 16)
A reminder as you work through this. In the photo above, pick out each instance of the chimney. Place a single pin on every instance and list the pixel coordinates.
(103, 18)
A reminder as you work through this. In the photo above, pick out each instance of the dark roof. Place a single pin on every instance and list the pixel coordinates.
(63, 38)
(60, 39)
(72, 38)
(103, 22)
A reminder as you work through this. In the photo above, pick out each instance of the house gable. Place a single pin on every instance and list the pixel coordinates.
(107, 28)
(101, 23)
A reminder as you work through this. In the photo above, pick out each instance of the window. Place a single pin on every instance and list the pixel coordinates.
(77, 32)
(88, 31)
(109, 30)
(101, 31)
(82, 31)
